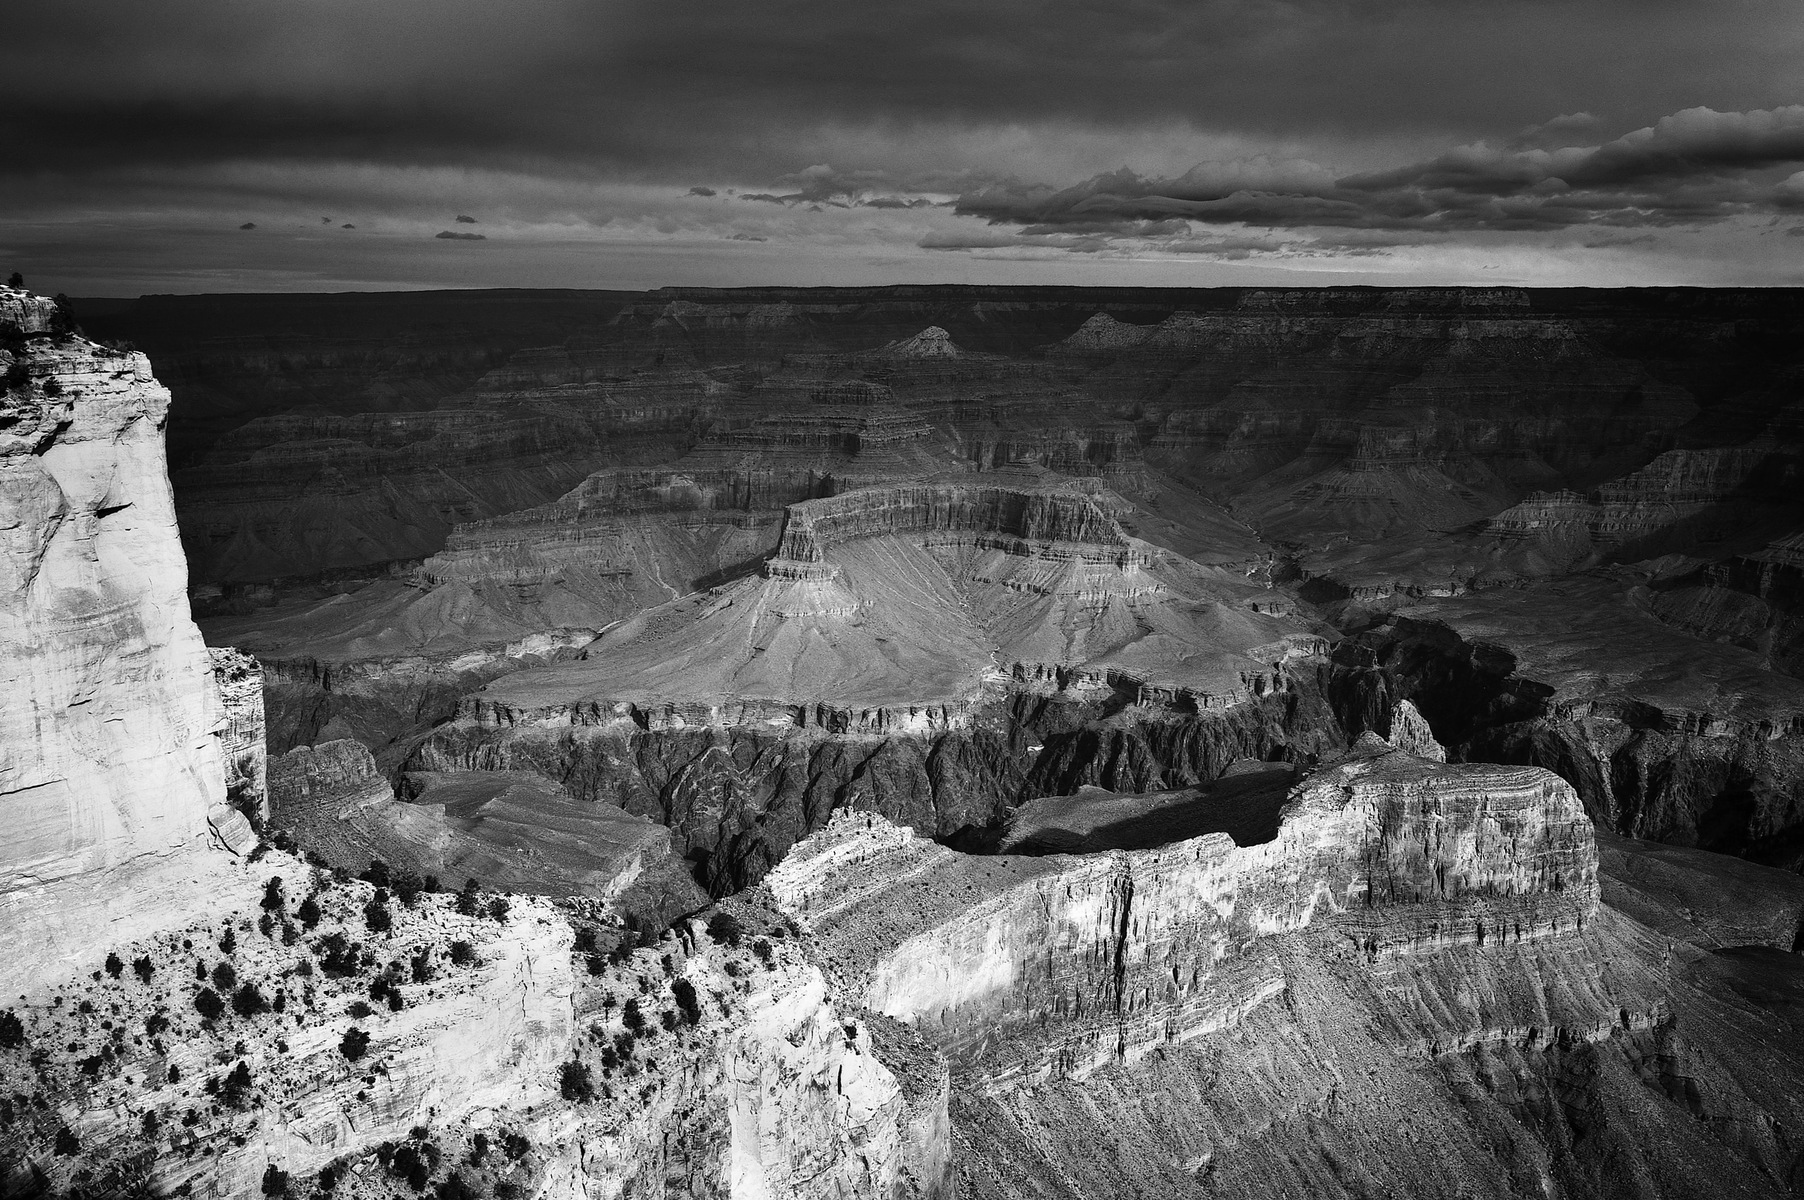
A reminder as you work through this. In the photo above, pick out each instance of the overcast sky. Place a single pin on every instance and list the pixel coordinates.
(247, 145)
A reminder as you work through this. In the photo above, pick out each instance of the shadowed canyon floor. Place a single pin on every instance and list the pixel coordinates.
(905, 742)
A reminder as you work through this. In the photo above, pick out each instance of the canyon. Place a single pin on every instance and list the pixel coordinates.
(906, 742)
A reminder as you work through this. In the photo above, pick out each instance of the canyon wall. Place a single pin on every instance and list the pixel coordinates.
(1023, 969)
(111, 754)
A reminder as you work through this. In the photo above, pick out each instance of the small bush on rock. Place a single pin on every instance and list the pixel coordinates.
(236, 1088)
(725, 928)
(354, 1043)
(691, 1008)
(142, 966)
(12, 1031)
(248, 1001)
(115, 966)
(208, 1004)
(308, 913)
(462, 953)
(275, 1182)
(376, 914)
(574, 1082)
(273, 900)
(67, 1144)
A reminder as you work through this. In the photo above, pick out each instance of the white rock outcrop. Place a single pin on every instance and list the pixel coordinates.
(110, 755)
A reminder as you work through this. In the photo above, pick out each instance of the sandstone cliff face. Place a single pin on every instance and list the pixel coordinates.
(1055, 967)
(110, 740)
(243, 740)
(765, 1085)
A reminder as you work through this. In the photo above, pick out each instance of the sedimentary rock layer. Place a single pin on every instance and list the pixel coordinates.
(1025, 968)
(111, 760)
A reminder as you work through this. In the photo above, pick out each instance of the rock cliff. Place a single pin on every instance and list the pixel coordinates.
(1056, 967)
(112, 740)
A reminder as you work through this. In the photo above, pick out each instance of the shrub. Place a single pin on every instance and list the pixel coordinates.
(156, 1023)
(462, 953)
(762, 949)
(498, 908)
(67, 1144)
(421, 965)
(410, 1165)
(266, 925)
(574, 1082)
(150, 1125)
(337, 956)
(228, 941)
(376, 914)
(275, 1182)
(725, 928)
(467, 899)
(691, 1008)
(515, 1145)
(236, 1087)
(407, 889)
(454, 1188)
(360, 1009)
(308, 913)
(248, 1001)
(115, 966)
(377, 874)
(208, 1004)
(12, 1030)
(273, 900)
(479, 1148)
(142, 965)
(224, 978)
(15, 280)
(354, 1043)
(632, 1017)
(396, 1002)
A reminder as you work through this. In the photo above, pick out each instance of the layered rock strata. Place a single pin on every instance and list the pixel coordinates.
(1666, 737)
(1024, 969)
(111, 758)
(498, 1057)
(243, 739)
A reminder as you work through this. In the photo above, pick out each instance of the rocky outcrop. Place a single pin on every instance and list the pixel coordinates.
(1666, 737)
(110, 755)
(1065, 516)
(1053, 968)
(242, 740)
(494, 1054)
(931, 342)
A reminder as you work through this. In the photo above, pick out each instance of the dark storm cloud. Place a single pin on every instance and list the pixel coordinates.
(647, 88)
(1693, 166)
(581, 119)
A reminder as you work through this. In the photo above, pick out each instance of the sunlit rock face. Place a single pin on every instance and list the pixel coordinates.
(242, 739)
(111, 757)
(1058, 966)
(491, 1047)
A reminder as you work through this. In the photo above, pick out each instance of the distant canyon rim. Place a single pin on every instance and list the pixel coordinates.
(907, 742)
